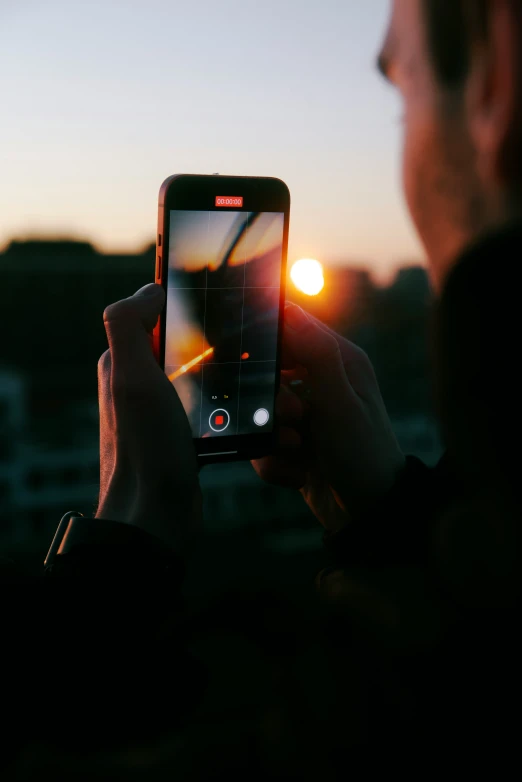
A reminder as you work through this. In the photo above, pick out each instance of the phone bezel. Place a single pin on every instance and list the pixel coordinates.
(198, 192)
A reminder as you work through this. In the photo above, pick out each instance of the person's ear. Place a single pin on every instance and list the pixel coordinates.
(492, 92)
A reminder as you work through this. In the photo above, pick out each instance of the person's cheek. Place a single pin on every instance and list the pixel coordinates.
(419, 153)
(409, 163)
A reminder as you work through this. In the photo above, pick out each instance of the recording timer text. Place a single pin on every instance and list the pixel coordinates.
(229, 201)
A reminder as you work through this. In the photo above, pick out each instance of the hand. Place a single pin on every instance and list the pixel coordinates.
(337, 446)
(148, 465)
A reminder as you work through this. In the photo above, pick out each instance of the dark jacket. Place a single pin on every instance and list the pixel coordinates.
(405, 654)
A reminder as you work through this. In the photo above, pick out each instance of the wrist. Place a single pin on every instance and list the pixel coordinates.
(175, 526)
(101, 553)
(382, 491)
(376, 489)
(76, 531)
(152, 523)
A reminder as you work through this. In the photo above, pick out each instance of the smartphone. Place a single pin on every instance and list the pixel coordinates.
(221, 258)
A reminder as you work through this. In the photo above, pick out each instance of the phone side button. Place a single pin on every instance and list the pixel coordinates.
(158, 269)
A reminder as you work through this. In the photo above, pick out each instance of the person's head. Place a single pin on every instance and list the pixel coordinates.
(458, 67)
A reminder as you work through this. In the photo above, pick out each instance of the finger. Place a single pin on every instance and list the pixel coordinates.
(289, 408)
(319, 352)
(104, 387)
(357, 365)
(288, 376)
(288, 465)
(289, 438)
(279, 470)
(349, 350)
(129, 322)
(287, 358)
(108, 428)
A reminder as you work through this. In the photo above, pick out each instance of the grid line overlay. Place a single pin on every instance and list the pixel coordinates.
(203, 337)
(208, 319)
(241, 342)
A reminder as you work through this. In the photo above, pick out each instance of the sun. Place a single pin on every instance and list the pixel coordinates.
(307, 276)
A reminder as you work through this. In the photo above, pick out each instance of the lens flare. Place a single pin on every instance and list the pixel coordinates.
(307, 276)
(187, 367)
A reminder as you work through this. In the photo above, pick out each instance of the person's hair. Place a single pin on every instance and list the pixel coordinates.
(453, 26)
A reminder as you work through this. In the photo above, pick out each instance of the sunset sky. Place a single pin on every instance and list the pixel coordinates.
(102, 99)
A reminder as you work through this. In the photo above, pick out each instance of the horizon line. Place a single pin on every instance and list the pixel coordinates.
(147, 246)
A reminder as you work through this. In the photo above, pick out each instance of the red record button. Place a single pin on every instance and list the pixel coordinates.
(219, 420)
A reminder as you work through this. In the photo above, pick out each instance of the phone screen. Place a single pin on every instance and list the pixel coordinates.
(221, 329)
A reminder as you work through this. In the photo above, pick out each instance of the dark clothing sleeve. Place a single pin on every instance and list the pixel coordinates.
(398, 529)
(97, 650)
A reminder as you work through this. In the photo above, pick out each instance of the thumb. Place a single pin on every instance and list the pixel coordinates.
(129, 322)
(318, 352)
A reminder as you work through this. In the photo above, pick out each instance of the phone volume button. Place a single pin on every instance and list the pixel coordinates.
(158, 269)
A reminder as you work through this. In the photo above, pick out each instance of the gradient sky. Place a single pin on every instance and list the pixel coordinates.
(102, 99)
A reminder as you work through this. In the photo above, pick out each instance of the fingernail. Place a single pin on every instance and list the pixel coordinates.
(149, 290)
(295, 318)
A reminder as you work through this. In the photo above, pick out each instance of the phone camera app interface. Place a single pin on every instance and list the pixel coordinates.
(224, 282)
